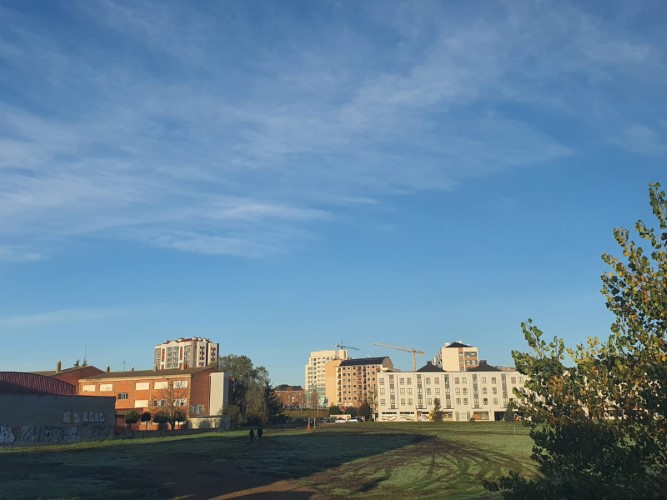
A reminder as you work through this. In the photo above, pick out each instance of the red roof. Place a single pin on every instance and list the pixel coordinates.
(31, 383)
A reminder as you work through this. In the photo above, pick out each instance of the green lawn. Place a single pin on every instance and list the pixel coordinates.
(361, 460)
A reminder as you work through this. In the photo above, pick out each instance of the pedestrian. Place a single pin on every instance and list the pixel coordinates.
(251, 435)
(259, 434)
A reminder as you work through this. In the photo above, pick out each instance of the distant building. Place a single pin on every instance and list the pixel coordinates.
(71, 375)
(356, 380)
(200, 391)
(480, 393)
(315, 373)
(456, 357)
(291, 396)
(195, 352)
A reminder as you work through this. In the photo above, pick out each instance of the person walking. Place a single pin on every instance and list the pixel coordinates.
(251, 435)
(259, 434)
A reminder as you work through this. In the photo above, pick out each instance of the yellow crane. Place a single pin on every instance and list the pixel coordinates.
(406, 349)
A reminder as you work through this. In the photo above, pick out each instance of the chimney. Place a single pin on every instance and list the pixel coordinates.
(59, 366)
(108, 369)
(132, 369)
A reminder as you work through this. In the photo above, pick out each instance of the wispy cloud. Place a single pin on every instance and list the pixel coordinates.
(217, 131)
(50, 318)
(18, 254)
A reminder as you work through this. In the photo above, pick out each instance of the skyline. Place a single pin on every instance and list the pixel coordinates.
(279, 178)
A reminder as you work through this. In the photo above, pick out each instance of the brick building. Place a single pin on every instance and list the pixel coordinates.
(200, 391)
(356, 380)
(291, 396)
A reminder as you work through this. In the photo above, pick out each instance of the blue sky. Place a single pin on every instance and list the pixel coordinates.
(281, 176)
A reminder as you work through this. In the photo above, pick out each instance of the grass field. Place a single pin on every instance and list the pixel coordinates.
(360, 460)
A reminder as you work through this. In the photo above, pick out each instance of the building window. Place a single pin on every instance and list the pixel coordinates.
(428, 391)
(382, 381)
(465, 391)
(456, 380)
(495, 401)
(141, 403)
(493, 380)
(122, 395)
(382, 403)
(409, 391)
(485, 401)
(465, 401)
(142, 386)
(196, 409)
(381, 391)
(159, 402)
(483, 380)
(429, 401)
(402, 390)
(483, 390)
(88, 388)
(464, 380)
(409, 381)
(428, 380)
(437, 391)
(410, 401)
(401, 381)
(160, 385)
(458, 401)
(106, 387)
(494, 390)
(458, 391)
(181, 384)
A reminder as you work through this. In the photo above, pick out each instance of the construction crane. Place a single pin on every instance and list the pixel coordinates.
(341, 346)
(406, 349)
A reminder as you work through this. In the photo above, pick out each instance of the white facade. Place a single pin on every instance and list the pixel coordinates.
(410, 396)
(456, 357)
(315, 371)
(184, 353)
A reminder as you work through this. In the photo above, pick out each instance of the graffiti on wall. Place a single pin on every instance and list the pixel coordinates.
(6, 435)
(50, 434)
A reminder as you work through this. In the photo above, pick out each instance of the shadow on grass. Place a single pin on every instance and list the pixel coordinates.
(205, 467)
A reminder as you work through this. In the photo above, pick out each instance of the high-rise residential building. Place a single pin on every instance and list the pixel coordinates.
(356, 380)
(315, 373)
(185, 353)
(456, 357)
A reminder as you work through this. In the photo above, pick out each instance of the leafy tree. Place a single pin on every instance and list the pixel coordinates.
(160, 418)
(131, 417)
(334, 410)
(234, 415)
(364, 410)
(436, 414)
(599, 426)
(146, 417)
(249, 385)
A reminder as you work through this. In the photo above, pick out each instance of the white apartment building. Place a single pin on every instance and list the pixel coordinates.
(456, 357)
(315, 372)
(481, 393)
(195, 352)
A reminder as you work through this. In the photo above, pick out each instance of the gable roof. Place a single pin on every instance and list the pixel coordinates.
(456, 344)
(364, 361)
(430, 367)
(483, 366)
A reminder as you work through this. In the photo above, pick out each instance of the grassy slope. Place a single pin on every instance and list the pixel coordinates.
(367, 460)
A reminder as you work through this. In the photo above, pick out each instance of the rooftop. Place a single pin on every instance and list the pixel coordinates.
(150, 373)
(364, 361)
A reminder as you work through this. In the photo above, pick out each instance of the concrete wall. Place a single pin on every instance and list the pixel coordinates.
(218, 396)
(34, 419)
(222, 422)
